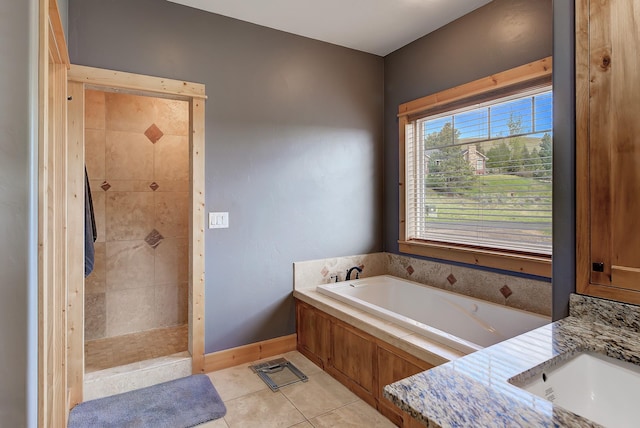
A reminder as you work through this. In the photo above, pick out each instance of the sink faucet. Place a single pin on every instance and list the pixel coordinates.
(356, 268)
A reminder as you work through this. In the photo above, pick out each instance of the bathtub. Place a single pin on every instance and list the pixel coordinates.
(460, 322)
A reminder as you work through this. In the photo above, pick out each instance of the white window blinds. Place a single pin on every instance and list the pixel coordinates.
(481, 176)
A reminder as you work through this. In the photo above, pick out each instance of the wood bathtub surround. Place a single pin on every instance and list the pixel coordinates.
(360, 361)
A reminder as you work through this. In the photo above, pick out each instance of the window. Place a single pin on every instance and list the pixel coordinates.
(476, 180)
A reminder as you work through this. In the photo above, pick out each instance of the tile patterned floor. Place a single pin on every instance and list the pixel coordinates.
(111, 352)
(321, 402)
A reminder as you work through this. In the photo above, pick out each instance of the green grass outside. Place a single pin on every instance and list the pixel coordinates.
(513, 198)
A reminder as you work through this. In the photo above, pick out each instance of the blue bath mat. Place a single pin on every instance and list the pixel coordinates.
(179, 403)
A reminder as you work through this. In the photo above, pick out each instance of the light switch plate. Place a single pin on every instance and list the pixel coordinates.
(218, 220)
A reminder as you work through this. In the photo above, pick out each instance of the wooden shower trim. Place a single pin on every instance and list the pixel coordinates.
(53, 61)
(79, 79)
(136, 83)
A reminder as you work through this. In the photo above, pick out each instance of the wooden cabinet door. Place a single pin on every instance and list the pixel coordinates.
(353, 358)
(391, 368)
(608, 144)
(313, 330)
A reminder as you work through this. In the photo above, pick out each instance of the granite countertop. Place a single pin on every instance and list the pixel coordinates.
(475, 390)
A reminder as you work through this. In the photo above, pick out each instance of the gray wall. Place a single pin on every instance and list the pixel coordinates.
(63, 7)
(501, 35)
(564, 119)
(16, 309)
(293, 146)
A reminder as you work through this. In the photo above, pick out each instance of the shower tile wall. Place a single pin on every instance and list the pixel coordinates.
(137, 157)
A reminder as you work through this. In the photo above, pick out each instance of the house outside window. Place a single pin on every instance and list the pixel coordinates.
(476, 173)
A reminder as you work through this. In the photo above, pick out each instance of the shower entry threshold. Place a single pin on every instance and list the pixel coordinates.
(278, 373)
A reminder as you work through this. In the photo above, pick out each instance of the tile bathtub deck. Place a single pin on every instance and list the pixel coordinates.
(321, 402)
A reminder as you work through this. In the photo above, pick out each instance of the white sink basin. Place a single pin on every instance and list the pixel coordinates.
(594, 386)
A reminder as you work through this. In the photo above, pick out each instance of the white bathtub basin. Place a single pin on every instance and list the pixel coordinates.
(594, 386)
(458, 321)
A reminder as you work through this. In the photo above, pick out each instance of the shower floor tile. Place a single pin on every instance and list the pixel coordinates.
(111, 352)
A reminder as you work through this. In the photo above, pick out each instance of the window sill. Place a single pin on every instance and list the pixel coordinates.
(521, 263)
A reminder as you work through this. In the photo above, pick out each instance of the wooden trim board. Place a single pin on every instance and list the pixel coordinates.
(249, 353)
(583, 231)
(532, 265)
(58, 43)
(53, 189)
(135, 83)
(196, 238)
(527, 72)
(75, 204)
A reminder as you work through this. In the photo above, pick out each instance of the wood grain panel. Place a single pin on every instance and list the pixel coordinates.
(402, 179)
(583, 227)
(58, 130)
(600, 136)
(313, 330)
(608, 148)
(196, 241)
(391, 368)
(534, 265)
(353, 355)
(135, 83)
(52, 218)
(249, 353)
(58, 43)
(75, 207)
(612, 293)
(46, 318)
(361, 362)
(625, 277)
(534, 70)
(624, 93)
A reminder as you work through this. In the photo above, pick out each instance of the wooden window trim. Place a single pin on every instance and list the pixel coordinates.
(531, 75)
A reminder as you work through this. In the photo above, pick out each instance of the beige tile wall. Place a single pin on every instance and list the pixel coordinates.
(522, 293)
(137, 157)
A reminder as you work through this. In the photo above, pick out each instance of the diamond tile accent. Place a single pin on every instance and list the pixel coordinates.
(105, 186)
(324, 271)
(154, 238)
(153, 133)
(452, 279)
(410, 270)
(154, 186)
(506, 291)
